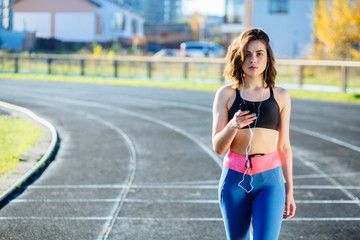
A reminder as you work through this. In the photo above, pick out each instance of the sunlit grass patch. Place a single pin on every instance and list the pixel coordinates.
(16, 137)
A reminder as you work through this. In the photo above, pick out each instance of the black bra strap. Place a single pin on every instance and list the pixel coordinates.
(237, 94)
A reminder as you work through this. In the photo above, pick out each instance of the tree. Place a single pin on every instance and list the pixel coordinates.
(337, 29)
(197, 24)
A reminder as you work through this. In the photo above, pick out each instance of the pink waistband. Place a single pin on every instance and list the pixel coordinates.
(259, 164)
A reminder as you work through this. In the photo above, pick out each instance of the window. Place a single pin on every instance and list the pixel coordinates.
(279, 6)
(235, 11)
(98, 25)
(117, 22)
(134, 27)
(6, 18)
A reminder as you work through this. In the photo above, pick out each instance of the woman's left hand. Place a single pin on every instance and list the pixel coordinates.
(290, 206)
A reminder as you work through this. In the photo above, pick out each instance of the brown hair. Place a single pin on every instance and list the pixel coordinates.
(236, 55)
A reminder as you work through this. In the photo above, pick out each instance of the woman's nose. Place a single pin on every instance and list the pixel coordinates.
(252, 59)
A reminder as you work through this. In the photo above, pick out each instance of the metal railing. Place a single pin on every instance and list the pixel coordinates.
(343, 65)
(207, 69)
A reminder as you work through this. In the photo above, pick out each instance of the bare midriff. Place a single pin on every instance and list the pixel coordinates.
(263, 141)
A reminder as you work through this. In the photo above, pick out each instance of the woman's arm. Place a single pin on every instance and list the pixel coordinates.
(284, 150)
(224, 132)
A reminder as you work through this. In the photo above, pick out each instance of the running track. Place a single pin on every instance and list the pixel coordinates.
(137, 163)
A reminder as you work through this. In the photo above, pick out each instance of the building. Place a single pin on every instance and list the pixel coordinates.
(156, 10)
(9, 39)
(77, 20)
(118, 22)
(289, 23)
(168, 35)
(5, 15)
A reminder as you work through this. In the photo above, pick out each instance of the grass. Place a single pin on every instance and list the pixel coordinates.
(16, 137)
(297, 94)
(326, 96)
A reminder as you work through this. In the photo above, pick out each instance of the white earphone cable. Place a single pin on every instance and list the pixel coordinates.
(248, 147)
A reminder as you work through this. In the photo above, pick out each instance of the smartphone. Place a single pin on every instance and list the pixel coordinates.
(247, 107)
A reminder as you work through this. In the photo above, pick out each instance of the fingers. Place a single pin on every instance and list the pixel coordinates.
(241, 113)
(243, 118)
(289, 210)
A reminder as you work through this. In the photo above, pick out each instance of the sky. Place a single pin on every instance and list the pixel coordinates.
(205, 7)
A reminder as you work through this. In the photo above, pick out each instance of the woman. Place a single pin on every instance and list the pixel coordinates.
(256, 183)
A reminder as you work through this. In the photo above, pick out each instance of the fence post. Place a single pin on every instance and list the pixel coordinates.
(300, 75)
(185, 70)
(222, 66)
(149, 68)
(49, 60)
(115, 68)
(343, 73)
(16, 65)
(82, 67)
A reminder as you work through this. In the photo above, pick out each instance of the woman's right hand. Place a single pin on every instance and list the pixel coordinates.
(242, 119)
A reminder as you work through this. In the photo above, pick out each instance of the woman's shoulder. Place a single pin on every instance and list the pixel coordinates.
(226, 90)
(282, 96)
(281, 92)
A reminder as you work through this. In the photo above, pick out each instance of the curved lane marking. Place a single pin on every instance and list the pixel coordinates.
(104, 234)
(206, 149)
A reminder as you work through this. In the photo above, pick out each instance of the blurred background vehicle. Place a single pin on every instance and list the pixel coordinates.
(201, 49)
(167, 53)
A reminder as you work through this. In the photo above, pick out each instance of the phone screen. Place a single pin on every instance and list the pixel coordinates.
(248, 107)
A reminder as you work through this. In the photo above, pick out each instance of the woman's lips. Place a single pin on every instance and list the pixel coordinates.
(252, 68)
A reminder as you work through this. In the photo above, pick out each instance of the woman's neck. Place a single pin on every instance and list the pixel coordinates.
(253, 83)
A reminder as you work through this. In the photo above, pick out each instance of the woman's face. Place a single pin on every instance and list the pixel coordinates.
(255, 59)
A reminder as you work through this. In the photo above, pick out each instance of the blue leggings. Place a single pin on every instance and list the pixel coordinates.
(264, 205)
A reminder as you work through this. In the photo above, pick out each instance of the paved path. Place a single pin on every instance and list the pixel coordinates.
(136, 163)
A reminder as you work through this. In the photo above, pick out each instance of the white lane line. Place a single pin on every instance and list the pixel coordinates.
(337, 187)
(327, 201)
(325, 137)
(119, 186)
(171, 201)
(81, 186)
(329, 179)
(109, 218)
(206, 149)
(199, 201)
(295, 219)
(306, 176)
(104, 234)
(323, 187)
(209, 110)
(170, 219)
(100, 200)
(58, 218)
(327, 219)
(292, 127)
(204, 182)
(129, 178)
(216, 158)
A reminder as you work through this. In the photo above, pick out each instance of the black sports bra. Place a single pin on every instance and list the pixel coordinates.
(269, 111)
